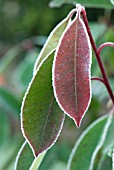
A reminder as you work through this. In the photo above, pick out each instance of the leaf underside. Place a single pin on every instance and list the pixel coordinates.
(88, 145)
(71, 71)
(53, 40)
(42, 119)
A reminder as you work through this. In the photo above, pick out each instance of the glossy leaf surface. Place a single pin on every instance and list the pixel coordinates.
(53, 39)
(87, 3)
(71, 71)
(42, 119)
(88, 145)
(25, 157)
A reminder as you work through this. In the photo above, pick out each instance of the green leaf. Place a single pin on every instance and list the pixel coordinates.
(24, 70)
(58, 166)
(8, 57)
(109, 142)
(5, 129)
(87, 3)
(42, 118)
(24, 158)
(36, 164)
(113, 159)
(88, 145)
(107, 146)
(105, 163)
(99, 90)
(112, 2)
(94, 26)
(8, 152)
(53, 40)
(9, 101)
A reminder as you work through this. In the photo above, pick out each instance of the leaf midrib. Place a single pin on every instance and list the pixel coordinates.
(51, 103)
(75, 73)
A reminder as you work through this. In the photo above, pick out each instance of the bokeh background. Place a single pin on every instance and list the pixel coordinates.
(24, 27)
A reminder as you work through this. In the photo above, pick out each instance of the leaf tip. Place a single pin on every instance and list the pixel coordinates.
(77, 122)
(36, 153)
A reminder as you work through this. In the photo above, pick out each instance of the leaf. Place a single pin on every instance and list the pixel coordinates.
(53, 39)
(42, 119)
(9, 57)
(9, 101)
(107, 146)
(113, 159)
(90, 142)
(71, 71)
(5, 129)
(105, 163)
(8, 152)
(87, 3)
(36, 164)
(109, 142)
(112, 2)
(24, 158)
(24, 70)
(94, 26)
(58, 166)
(99, 90)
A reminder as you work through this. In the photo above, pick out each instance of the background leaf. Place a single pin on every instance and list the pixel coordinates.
(89, 144)
(24, 70)
(113, 159)
(105, 160)
(10, 147)
(24, 158)
(9, 57)
(8, 100)
(52, 40)
(5, 129)
(105, 163)
(88, 3)
(58, 166)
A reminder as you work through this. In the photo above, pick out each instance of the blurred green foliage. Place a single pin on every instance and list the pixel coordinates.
(23, 19)
(24, 26)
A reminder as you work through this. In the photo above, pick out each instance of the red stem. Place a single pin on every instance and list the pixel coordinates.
(107, 44)
(99, 79)
(97, 56)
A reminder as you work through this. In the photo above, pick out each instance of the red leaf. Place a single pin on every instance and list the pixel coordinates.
(71, 71)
